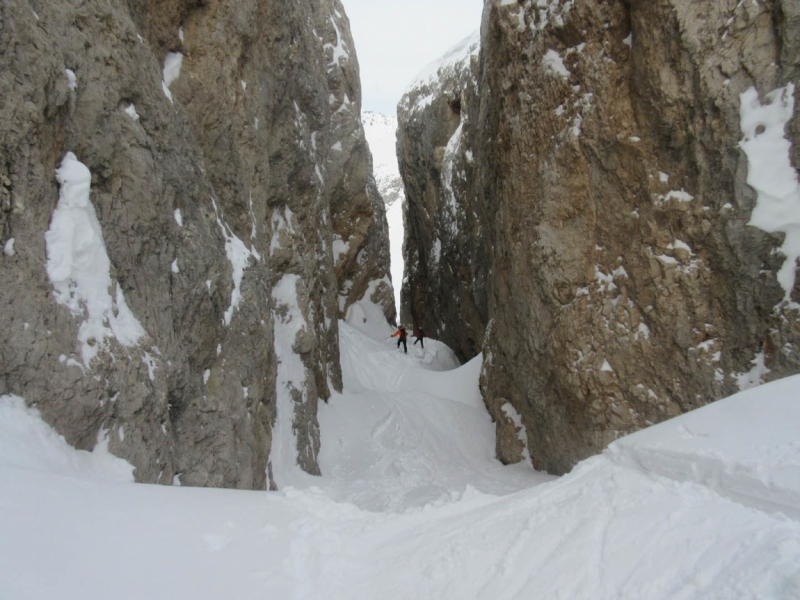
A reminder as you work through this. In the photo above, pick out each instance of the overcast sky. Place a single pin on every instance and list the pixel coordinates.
(396, 39)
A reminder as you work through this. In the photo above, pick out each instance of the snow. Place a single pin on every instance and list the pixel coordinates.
(553, 61)
(436, 252)
(8, 247)
(172, 70)
(72, 80)
(754, 376)
(280, 222)
(28, 444)
(239, 256)
(457, 55)
(679, 195)
(381, 131)
(339, 247)
(79, 268)
(412, 504)
(338, 51)
(178, 217)
(167, 93)
(173, 62)
(771, 173)
(288, 322)
(151, 362)
(394, 216)
(550, 10)
(130, 110)
(366, 316)
(451, 153)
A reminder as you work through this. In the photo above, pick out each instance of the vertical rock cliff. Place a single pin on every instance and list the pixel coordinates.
(641, 258)
(446, 250)
(171, 289)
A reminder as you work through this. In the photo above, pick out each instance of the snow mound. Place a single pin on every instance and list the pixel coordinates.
(28, 443)
(745, 448)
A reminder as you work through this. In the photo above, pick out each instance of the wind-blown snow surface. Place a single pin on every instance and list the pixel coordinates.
(413, 506)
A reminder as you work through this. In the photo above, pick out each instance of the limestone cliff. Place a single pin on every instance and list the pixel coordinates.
(218, 167)
(361, 233)
(631, 276)
(446, 251)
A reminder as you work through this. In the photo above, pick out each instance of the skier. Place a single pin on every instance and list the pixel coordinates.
(401, 331)
(420, 335)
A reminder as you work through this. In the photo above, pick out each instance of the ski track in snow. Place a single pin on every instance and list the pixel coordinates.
(413, 505)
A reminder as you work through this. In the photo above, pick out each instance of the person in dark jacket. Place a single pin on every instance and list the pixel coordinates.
(401, 331)
(420, 335)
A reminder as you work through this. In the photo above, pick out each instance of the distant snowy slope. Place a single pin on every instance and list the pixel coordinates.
(428, 83)
(459, 53)
(381, 131)
(412, 504)
(410, 430)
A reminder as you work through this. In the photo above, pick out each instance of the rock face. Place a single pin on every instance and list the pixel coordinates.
(446, 250)
(219, 168)
(361, 233)
(637, 266)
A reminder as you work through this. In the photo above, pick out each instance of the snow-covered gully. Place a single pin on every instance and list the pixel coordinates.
(412, 504)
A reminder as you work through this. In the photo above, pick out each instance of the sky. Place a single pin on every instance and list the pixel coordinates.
(396, 40)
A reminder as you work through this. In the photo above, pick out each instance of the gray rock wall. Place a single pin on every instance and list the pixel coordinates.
(625, 285)
(446, 247)
(207, 200)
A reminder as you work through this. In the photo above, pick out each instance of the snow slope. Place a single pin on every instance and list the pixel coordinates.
(381, 133)
(412, 505)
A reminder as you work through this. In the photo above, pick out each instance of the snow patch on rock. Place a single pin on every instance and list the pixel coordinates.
(79, 268)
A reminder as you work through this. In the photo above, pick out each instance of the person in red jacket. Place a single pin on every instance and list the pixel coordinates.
(401, 331)
(420, 335)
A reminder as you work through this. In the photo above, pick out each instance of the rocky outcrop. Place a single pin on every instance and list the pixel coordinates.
(208, 169)
(638, 266)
